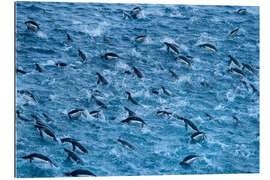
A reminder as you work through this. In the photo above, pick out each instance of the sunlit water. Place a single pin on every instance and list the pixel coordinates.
(163, 142)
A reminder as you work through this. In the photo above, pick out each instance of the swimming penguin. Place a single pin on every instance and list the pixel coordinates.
(165, 91)
(187, 123)
(79, 172)
(82, 55)
(126, 144)
(134, 119)
(155, 91)
(241, 11)
(47, 117)
(183, 59)
(110, 56)
(46, 130)
(20, 71)
(131, 99)
(164, 113)
(210, 117)
(101, 79)
(172, 47)
(36, 118)
(69, 37)
(75, 113)
(237, 121)
(137, 72)
(140, 38)
(127, 72)
(99, 103)
(198, 136)
(60, 64)
(248, 67)
(235, 61)
(254, 90)
(21, 117)
(173, 74)
(208, 46)
(37, 156)
(160, 66)
(234, 32)
(72, 155)
(94, 113)
(205, 84)
(40, 123)
(28, 93)
(135, 11)
(130, 113)
(32, 25)
(106, 39)
(75, 144)
(189, 159)
(38, 68)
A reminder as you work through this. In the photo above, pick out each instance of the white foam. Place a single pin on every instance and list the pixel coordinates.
(215, 19)
(49, 62)
(184, 78)
(88, 93)
(210, 163)
(219, 107)
(230, 95)
(52, 97)
(194, 18)
(253, 112)
(153, 11)
(102, 117)
(184, 47)
(169, 40)
(135, 53)
(160, 147)
(95, 31)
(67, 48)
(176, 14)
(121, 65)
(52, 81)
(145, 129)
(88, 116)
(42, 35)
(76, 22)
(148, 40)
(114, 152)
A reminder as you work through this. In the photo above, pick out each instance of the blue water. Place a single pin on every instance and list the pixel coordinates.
(160, 146)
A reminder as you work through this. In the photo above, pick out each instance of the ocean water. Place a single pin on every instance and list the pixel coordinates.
(231, 144)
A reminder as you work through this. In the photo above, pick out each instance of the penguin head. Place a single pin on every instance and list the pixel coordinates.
(128, 93)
